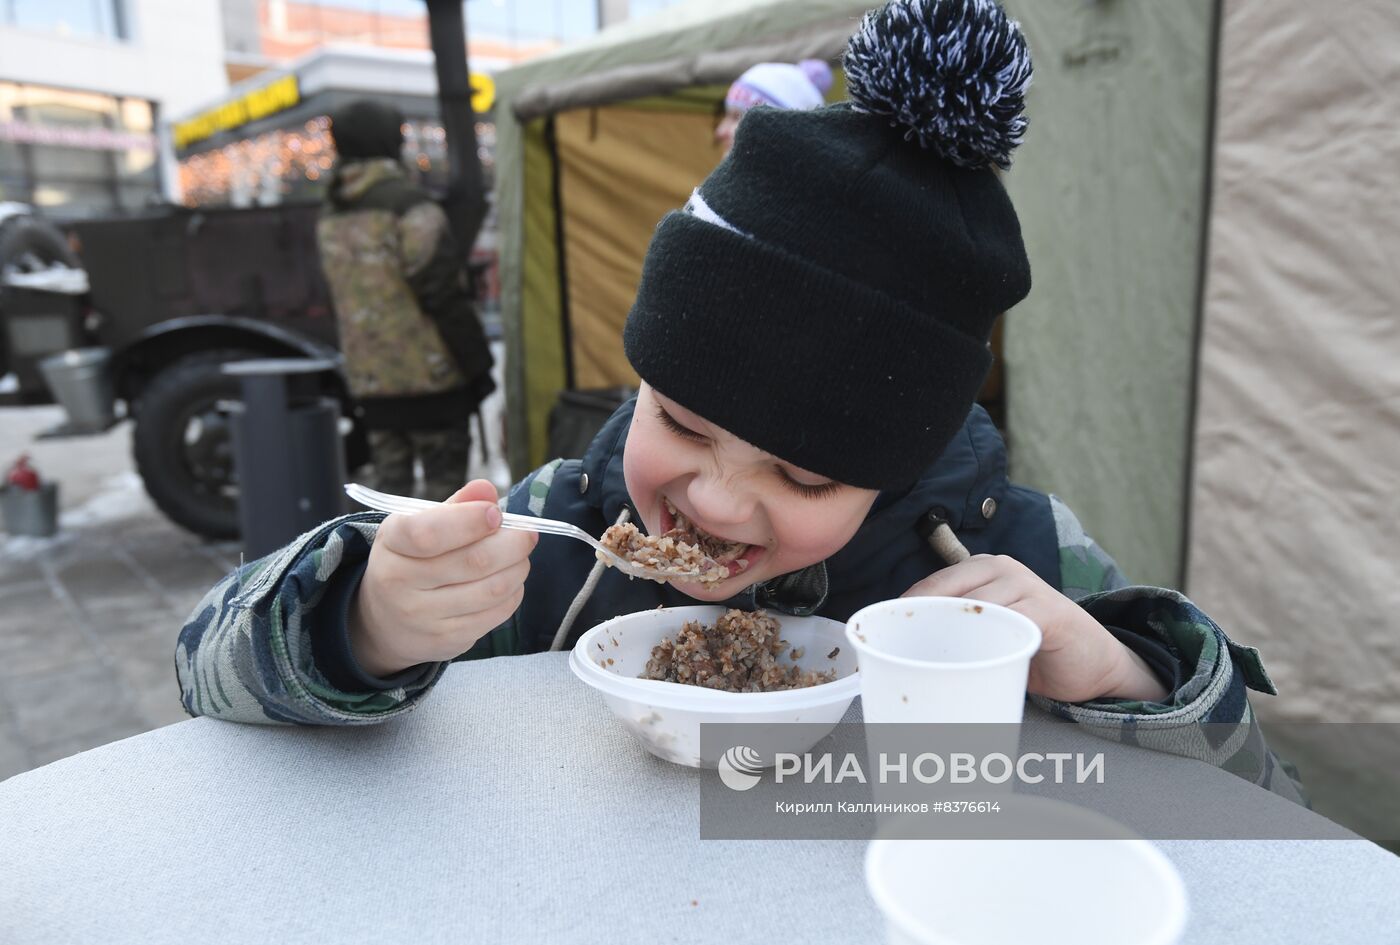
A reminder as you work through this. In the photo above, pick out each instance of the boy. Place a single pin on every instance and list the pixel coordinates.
(811, 332)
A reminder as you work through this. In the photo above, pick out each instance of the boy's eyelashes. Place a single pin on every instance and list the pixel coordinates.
(806, 491)
(669, 422)
(800, 488)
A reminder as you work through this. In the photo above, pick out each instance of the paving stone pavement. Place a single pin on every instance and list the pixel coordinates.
(88, 619)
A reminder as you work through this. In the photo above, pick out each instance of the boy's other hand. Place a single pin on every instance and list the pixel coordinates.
(437, 582)
(1078, 659)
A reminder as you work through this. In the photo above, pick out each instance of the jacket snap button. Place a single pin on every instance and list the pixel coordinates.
(989, 507)
(583, 483)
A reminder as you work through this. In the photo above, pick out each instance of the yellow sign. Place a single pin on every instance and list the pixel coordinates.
(282, 95)
(483, 92)
(259, 103)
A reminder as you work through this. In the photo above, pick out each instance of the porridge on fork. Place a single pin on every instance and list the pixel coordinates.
(682, 551)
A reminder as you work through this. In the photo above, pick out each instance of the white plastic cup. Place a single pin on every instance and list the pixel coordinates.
(942, 659)
(1110, 888)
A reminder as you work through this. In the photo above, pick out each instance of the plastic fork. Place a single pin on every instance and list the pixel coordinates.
(405, 505)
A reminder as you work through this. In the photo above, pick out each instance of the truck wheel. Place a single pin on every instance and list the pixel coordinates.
(183, 444)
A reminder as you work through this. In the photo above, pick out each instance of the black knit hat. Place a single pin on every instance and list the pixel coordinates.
(828, 292)
(365, 128)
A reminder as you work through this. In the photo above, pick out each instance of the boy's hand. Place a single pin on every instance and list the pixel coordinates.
(437, 582)
(1078, 659)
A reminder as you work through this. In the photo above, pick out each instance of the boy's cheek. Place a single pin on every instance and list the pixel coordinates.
(799, 547)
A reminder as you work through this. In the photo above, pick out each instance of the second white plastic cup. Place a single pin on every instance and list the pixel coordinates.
(942, 659)
(1107, 887)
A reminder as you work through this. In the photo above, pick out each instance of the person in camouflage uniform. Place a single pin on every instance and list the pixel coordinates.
(810, 403)
(416, 358)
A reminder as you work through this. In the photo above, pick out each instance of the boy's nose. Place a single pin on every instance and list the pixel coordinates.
(719, 502)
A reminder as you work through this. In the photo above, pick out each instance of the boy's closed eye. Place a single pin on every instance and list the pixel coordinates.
(804, 489)
(670, 423)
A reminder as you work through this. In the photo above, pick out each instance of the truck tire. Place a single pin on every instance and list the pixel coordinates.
(183, 444)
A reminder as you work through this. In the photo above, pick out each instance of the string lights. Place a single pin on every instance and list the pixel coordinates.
(294, 163)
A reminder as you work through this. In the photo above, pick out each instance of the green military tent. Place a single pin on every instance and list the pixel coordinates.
(1206, 368)
(598, 140)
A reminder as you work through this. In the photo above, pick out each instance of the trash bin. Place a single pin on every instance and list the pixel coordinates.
(287, 451)
(81, 381)
(578, 415)
(31, 512)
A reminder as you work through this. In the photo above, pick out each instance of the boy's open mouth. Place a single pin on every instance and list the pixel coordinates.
(735, 555)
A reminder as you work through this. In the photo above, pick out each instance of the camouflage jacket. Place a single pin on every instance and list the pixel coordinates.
(262, 645)
(406, 322)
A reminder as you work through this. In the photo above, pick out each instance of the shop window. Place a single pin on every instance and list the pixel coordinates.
(70, 162)
(295, 163)
(11, 162)
(13, 187)
(75, 198)
(76, 153)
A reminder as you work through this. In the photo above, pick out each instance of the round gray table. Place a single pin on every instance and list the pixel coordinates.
(510, 807)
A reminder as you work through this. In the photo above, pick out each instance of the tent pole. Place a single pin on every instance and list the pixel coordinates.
(551, 139)
(1188, 477)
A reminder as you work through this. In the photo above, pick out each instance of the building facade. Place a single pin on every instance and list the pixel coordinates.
(85, 86)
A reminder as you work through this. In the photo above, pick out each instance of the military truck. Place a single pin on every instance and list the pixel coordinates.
(175, 292)
(172, 295)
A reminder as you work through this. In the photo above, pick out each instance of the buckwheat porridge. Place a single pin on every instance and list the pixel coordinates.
(738, 654)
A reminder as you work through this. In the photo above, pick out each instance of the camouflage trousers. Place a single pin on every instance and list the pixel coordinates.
(443, 454)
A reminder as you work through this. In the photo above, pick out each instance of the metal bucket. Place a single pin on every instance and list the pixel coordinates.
(29, 512)
(81, 380)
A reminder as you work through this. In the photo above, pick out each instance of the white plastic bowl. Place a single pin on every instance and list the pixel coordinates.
(666, 716)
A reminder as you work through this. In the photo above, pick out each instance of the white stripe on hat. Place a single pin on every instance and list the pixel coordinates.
(697, 207)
